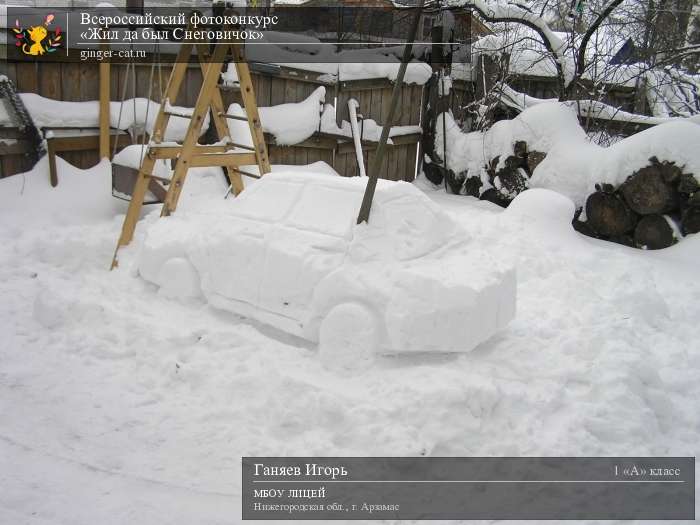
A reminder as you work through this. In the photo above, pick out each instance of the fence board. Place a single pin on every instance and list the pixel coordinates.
(277, 91)
(27, 80)
(70, 82)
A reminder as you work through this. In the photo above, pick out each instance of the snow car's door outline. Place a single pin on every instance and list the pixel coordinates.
(304, 248)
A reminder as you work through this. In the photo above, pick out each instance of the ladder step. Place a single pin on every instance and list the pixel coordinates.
(177, 114)
(230, 87)
(234, 117)
(222, 159)
(241, 146)
(160, 179)
(173, 151)
(246, 173)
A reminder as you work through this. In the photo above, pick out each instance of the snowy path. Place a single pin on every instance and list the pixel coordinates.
(120, 406)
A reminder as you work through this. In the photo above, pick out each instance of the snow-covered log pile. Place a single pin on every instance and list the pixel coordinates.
(642, 191)
(497, 164)
(652, 209)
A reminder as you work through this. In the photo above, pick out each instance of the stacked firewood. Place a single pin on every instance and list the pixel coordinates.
(506, 179)
(655, 206)
(652, 209)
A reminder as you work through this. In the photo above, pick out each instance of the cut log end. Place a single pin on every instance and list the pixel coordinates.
(691, 220)
(653, 232)
(608, 214)
(647, 192)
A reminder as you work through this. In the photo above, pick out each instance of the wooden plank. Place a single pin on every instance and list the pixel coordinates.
(89, 82)
(222, 159)
(13, 164)
(401, 162)
(316, 141)
(313, 155)
(388, 169)
(193, 83)
(326, 156)
(275, 153)
(339, 163)
(263, 91)
(172, 152)
(386, 102)
(290, 94)
(402, 116)
(104, 110)
(410, 138)
(70, 82)
(19, 147)
(308, 77)
(251, 108)
(410, 173)
(375, 110)
(84, 142)
(277, 90)
(349, 147)
(341, 110)
(301, 155)
(27, 77)
(365, 100)
(366, 84)
(416, 98)
(144, 82)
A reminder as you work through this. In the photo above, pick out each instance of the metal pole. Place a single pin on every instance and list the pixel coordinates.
(376, 164)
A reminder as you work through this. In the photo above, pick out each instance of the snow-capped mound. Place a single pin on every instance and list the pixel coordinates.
(540, 126)
(290, 123)
(136, 113)
(574, 166)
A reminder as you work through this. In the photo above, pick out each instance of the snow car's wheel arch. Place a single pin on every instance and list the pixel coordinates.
(349, 334)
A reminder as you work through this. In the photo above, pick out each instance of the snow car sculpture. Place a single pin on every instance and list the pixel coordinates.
(287, 252)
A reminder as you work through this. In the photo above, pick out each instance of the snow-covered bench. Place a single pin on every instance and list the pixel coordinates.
(74, 126)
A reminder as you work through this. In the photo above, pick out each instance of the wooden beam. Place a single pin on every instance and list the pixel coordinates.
(251, 108)
(172, 152)
(370, 145)
(104, 105)
(222, 159)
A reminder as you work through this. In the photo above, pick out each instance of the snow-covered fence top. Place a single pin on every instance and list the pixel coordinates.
(75, 85)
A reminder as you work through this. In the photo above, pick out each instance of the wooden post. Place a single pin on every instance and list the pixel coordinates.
(376, 165)
(104, 105)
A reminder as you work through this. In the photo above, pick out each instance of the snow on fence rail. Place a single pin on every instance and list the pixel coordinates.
(273, 86)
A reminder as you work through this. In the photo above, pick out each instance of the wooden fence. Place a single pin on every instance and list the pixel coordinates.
(71, 81)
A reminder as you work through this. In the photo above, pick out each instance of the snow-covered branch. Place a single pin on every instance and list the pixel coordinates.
(503, 11)
(580, 66)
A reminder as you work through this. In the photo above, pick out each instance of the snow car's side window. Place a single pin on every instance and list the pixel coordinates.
(325, 209)
(412, 226)
(268, 201)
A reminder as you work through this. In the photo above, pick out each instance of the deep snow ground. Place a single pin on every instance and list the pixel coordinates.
(120, 406)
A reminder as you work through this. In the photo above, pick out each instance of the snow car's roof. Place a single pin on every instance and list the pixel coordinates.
(329, 205)
(386, 189)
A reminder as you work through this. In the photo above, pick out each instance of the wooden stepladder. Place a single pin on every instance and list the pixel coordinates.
(190, 154)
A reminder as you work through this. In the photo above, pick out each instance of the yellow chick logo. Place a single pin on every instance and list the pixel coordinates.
(38, 40)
